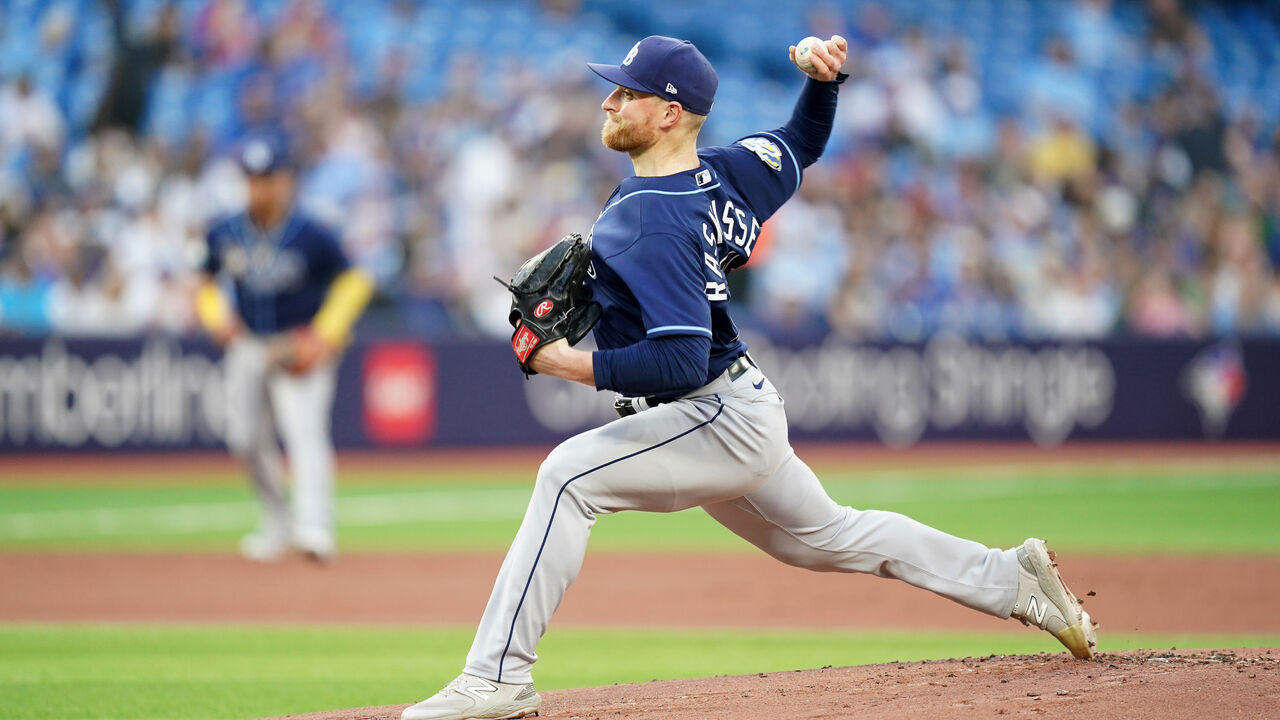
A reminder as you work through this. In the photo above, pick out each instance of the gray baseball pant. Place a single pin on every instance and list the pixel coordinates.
(262, 400)
(723, 447)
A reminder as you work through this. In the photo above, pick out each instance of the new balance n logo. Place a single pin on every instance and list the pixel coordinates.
(1037, 609)
(482, 689)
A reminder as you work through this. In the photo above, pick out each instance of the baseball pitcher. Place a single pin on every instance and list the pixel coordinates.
(701, 424)
(296, 297)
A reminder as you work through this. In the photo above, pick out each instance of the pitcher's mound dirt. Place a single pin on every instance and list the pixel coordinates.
(1242, 683)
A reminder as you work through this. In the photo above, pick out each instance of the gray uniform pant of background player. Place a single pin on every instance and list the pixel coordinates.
(723, 448)
(263, 400)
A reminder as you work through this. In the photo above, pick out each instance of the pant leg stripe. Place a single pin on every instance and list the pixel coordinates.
(511, 633)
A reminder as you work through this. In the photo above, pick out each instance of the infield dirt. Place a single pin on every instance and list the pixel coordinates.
(1133, 685)
(1133, 594)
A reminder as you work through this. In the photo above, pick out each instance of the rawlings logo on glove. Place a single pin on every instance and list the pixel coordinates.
(550, 299)
(523, 342)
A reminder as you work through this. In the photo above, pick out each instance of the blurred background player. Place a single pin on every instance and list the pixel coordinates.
(296, 297)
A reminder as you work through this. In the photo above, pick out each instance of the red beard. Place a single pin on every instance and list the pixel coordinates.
(625, 138)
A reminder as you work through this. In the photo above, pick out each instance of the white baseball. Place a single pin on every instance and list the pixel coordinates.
(804, 52)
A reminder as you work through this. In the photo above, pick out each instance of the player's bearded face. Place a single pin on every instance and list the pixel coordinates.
(627, 124)
(625, 134)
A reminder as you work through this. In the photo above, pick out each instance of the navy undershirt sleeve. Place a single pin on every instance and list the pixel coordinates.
(812, 119)
(669, 365)
(329, 258)
(212, 260)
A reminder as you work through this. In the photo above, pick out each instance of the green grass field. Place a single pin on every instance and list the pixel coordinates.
(1137, 507)
(189, 672)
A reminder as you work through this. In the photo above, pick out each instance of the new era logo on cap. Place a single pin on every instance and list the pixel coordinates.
(659, 65)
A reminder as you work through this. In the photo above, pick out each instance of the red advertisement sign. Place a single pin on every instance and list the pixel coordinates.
(399, 393)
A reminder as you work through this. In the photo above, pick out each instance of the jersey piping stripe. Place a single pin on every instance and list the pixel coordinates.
(511, 633)
(669, 328)
(613, 204)
(790, 154)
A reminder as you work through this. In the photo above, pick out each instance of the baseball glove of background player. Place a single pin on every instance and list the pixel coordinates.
(550, 298)
(299, 351)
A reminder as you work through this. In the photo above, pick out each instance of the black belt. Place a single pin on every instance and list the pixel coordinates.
(625, 406)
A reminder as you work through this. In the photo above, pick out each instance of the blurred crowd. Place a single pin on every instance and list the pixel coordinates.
(999, 168)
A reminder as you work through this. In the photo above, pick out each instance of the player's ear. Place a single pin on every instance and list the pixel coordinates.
(672, 117)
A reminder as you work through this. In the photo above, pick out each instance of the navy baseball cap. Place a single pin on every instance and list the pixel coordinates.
(263, 155)
(669, 68)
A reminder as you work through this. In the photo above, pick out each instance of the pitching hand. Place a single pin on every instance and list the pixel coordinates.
(827, 58)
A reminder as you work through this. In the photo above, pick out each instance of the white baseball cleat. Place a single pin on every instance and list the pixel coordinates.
(1045, 601)
(264, 546)
(474, 698)
(315, 544)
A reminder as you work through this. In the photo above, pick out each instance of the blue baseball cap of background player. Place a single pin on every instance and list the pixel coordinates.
(264, 154)
(672, 69)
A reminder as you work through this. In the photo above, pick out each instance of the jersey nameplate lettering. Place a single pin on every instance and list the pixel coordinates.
(766, 150)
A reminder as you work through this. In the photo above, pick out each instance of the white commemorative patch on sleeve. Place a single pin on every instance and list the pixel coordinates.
(766, 150)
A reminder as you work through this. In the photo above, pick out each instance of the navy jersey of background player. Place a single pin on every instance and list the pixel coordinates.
(280, 276)
(662, 245)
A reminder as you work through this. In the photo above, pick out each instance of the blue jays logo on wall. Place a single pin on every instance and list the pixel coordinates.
(766, 150)
(1215, 382)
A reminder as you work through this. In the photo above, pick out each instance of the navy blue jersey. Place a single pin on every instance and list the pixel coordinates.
(280, 277)
(660, 246)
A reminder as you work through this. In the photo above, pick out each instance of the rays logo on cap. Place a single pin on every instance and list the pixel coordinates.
(766, 150)
(258, 155)
(262, 155)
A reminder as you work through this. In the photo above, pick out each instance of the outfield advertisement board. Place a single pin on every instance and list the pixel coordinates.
(164, 393)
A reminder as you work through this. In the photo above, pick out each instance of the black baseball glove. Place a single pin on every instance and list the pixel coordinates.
(550, 298)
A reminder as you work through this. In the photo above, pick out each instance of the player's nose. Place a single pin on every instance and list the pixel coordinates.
(611, 103)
